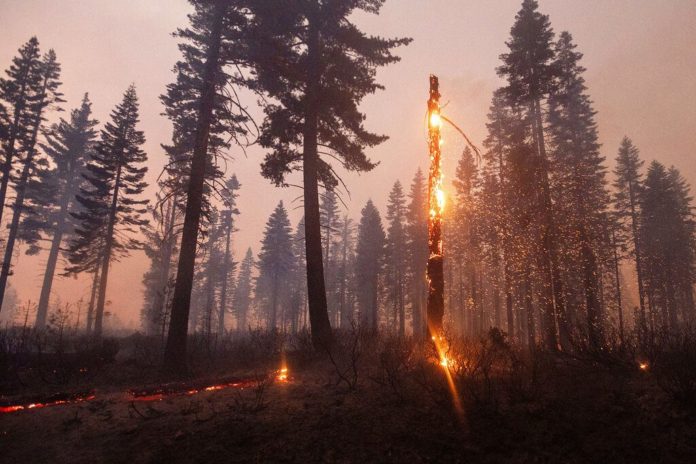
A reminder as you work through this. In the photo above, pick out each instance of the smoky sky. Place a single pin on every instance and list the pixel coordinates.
(639, 54)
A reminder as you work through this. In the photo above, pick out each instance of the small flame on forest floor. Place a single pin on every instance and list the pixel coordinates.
(643, 366)
(282, 374)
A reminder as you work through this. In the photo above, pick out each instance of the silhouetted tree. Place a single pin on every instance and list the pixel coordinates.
(396, 263)
(528, 67)
(202, 110)
(111, 206)
(627, 188)
(368, 264)
(227, 227)
(417, 240)
(579, 184)
(41, 99)
(667, 233)
(17, 90)
(318, 67)
(241, 300)
(51, 194)
(275, 263)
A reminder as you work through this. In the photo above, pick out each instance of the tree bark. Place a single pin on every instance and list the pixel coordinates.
(316, 289)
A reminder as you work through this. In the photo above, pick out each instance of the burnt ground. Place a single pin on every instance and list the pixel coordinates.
(572, 411)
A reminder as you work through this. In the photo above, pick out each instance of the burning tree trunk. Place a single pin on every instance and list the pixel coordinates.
(436, 283)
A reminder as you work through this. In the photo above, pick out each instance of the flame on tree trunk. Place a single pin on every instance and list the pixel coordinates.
(435, 275)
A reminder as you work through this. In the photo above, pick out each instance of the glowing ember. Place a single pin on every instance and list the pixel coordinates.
(282, 375)
(445, 362)
(188, 389)
(643, 366)
(50, 401)
(435, 119)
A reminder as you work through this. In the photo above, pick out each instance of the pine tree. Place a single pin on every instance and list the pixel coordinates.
(275, 263)
(506, 133)
(345, 275)
(40, 100)
(667, 236)
(627, 188)
(582, 200)
(51, 195)
(241, 300)
(417, 242)
(369, 263)
(396, 257)
(112, 210)
(298, 281)
(23, 82)
(528, 67)
(466, 249)
(319, 66)
(330, 219)
(204, 114)
(227, 228)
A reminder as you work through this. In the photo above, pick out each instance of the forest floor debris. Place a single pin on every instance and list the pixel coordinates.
(551, 409)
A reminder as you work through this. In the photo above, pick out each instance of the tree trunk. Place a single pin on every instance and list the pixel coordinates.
(21, 190)
(316, 290)
(92, 300)
(175, 350)
(52, 261)
(636, 246)
(159, 304)
(106, 258)
(553, 288)
(617, 282)
(225, 277)
(529, 307)
(594, 315)
(14, 225)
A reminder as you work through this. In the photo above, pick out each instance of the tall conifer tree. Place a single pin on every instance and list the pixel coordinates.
(112, 207)
(203, 112)
(321, 67)
(16, 91)
(627, 197)
(369, 264)
(40, 100)
(396, 257)
(275, 262)
(51, 195)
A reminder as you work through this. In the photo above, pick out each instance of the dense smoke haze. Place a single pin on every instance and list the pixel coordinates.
(347, 231)
(639, 57)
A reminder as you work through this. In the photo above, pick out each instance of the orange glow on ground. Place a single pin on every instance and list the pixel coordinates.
(39, 405)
